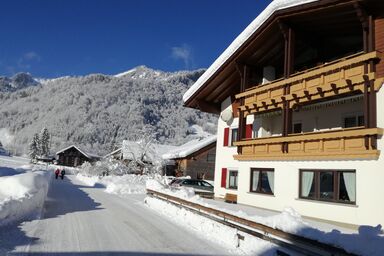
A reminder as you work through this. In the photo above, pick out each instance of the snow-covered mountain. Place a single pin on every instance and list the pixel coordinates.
(98, 111)
(17, 82)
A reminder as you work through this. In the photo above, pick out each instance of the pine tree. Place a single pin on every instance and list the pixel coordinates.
(34, 148)
(44, 142)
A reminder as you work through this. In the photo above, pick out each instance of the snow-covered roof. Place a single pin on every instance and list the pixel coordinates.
(241, 39)
(189, 148)
(113, 152)
(134, 149)
(88, 155)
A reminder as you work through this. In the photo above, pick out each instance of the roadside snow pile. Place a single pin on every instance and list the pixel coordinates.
(118, 185)
(125, 185)
(368, 241)
(88, 180)
(22, 195)
(237, 242)
(182, 192)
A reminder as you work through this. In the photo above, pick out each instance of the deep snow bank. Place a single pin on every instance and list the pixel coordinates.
(23, 195)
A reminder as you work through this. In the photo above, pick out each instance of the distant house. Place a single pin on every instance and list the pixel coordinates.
(150, 153)
(45, 159)
(73, 156)
(137, 151)
(116, 154)
(195, 158)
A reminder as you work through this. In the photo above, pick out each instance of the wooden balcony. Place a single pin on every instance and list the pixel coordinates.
(341, 144)
(334, 78)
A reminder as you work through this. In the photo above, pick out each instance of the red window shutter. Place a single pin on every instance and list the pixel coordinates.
(224, 177)
(226, 137)
(248, 131)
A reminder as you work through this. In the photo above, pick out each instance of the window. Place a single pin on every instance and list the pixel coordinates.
(262, 180)
(232, 182)
(234, 133)
(353, 121)
(328, 185)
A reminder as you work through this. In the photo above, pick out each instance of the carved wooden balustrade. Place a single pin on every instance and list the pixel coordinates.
(354, 74)
(347, 143)
(331, 79)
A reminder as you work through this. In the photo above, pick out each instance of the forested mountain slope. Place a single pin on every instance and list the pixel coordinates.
(98, 111)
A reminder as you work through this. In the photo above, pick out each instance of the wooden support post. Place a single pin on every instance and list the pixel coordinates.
(244, 72)
(289, 48)
(291, 52)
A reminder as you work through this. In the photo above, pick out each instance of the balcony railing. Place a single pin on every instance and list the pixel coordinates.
(334, 78)
(341, 144)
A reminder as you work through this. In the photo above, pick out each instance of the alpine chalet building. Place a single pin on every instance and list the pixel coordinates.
(301, 105)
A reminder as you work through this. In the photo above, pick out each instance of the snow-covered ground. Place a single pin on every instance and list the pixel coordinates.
(118, 185)
(111, 214)
(367, 241)
(80, 219)
(23, 188)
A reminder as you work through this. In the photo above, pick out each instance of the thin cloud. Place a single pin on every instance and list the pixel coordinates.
(25, 61)
(183, 53)
(31, 56)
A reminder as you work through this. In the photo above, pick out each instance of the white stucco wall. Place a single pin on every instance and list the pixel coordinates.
(369, 208)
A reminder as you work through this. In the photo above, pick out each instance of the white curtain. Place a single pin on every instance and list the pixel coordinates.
(306, 183)
(255, 180)
(271, 180)
(350, 185)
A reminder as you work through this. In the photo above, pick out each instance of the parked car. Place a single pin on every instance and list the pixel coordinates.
(197, 185)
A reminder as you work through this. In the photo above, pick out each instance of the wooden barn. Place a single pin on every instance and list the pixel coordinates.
(195, 159)
(73, 156)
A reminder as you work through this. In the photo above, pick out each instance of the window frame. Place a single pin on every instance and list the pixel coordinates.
(236, 179)
(336, 185)
(231, 136)
(258, 190)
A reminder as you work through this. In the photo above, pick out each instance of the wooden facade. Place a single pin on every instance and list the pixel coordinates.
(73, 157)
(199, 165)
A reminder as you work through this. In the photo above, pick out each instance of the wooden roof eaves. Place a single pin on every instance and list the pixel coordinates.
(309, 7)
(208, 147)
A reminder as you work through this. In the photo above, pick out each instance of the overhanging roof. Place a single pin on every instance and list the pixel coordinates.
(88, 155)
(221, 78)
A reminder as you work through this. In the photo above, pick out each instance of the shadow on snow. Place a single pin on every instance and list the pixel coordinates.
(63, 197)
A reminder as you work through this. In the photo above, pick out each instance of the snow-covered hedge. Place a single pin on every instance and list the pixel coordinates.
(23, 195)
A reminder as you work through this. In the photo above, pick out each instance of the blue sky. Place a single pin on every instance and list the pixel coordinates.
(51, 38)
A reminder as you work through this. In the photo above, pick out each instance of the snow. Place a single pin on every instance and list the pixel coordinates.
(85, 220)
(22, 195)
(126, 73)
(135, 149)
(119, 185)
(212, 230)
(368, 240)
(189, 148)
(240, 40)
